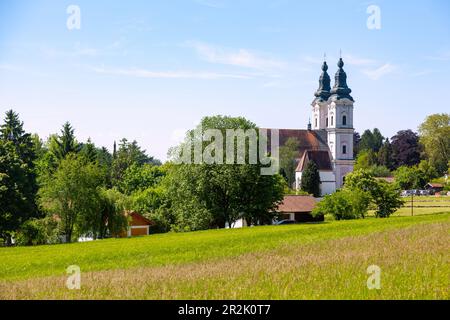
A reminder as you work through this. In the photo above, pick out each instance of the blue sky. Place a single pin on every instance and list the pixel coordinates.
(150, 70)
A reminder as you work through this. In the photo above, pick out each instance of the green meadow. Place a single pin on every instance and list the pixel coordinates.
(309, 261)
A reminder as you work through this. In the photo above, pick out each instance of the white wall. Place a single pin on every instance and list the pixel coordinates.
(327, 178)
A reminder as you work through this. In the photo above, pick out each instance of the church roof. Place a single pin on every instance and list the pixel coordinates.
(323, 93)
(321, 159)
(312, 144)
(307, 139)
(341, 89)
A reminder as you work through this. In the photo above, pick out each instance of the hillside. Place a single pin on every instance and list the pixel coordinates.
(324, 261)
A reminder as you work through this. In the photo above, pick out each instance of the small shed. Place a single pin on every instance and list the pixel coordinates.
(298, 208)
(434, 187)
(138, 225)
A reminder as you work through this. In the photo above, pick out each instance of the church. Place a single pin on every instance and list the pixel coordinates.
(328, 140)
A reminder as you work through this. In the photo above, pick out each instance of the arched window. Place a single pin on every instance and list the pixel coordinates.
(344, 120)
(332, 120)
(344, 149)
(327, 121)
(316, 123)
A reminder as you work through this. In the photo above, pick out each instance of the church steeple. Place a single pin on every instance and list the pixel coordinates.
(323, 93)
(341, 89)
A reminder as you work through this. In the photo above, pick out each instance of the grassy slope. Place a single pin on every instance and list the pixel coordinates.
(176, 249)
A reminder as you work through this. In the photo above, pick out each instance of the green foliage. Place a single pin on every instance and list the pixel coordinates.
(385, 155)
(310, 182)
(213, 195)
(140, 177)
(288, 155)
(148, 200)
(414, 177)
(72, 194)
(65, 143)
(129, 153)
(344, 204)
(380, 171)
(435, 137)
(385, 196)
(110, 219)
(163, 220)
(38, 232)
(371, 140)
(365, 160)
(18, 185)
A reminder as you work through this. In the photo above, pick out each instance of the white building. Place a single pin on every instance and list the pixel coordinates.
(328, 141)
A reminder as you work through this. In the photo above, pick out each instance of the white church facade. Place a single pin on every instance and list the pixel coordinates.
(328, 141)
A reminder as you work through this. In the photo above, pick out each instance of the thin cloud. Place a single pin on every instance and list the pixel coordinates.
(443, 56)
(380, 72)
(211, 3)
(357, 61)
(142, 73)
(234, 57)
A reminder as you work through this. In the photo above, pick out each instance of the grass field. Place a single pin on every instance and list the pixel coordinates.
(313, 261)
(424, 205)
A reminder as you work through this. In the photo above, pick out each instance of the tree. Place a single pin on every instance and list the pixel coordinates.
(311, 179)
(344, 204)
(405, 149)
(215, 195)
(387, 199)
(407, 178)
(414, 177)
(435, 137)
(139, 178)
(127, 155)
(72, 194)
(371, 140)
(288, 155)
(89, 151)
(64, 144)
(18, 185)
(385, 196)
(365, 160)
(385, 155)
(356, 142)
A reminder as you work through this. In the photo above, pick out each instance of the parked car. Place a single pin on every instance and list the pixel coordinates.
(283, 222)
(424, 192)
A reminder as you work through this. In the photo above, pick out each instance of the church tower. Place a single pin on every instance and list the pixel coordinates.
(339, 126)
(320, 103)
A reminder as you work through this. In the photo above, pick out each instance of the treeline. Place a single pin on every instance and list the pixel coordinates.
(413, 158)
(60, 189)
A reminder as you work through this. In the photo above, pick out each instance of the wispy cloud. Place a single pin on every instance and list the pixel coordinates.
(378, 73)
(211, 3)
(442, 56)
(358, 61)
(77, 51)
(181, 74)
(234, 57)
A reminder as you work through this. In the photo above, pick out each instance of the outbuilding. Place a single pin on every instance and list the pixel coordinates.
(298, 208)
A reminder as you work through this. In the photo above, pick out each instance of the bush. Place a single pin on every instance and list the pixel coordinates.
(162, 220)
(344, 204)
(37, 232)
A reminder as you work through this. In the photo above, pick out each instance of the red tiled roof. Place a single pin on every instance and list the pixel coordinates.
(138, 219)
(294, 203)
(307, 139)
(321, 158)
(436, 185)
